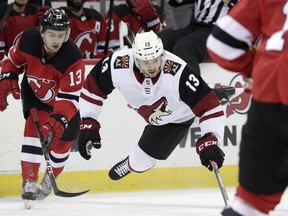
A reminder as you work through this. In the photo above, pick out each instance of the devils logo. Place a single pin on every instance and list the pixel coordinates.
(42, 88)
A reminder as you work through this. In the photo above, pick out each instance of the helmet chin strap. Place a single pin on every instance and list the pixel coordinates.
(47, 49)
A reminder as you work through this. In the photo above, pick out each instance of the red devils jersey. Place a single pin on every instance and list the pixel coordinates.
(176, 95)
(15, 24)
(48, 82)
(230, 46)
(85, 30)
(121, 12)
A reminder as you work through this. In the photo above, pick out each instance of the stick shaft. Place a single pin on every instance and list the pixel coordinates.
(108, 29)
(220, 182)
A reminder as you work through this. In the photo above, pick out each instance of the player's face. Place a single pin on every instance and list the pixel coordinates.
(53, 40)
(150, 68)
(21, 2)
(76, 3)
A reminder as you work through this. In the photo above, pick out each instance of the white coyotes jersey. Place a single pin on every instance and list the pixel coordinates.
(176, 95)
(162, 96)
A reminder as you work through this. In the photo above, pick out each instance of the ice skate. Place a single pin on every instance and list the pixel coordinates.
(119, 170)
(230, 212)
(29, 194)
(44, 189)
(29, 190)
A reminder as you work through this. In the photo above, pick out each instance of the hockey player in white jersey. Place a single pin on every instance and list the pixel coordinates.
(165, 91)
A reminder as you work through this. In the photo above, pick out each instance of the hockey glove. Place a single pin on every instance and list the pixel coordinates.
(89, 137)
(53, 129)
(41, 12)
(8, 84)
(208, 150)
(149, 18)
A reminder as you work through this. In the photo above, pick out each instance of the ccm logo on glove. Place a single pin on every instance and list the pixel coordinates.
(89, 124)
(206, 143)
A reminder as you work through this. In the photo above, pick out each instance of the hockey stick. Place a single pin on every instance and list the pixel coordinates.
(108, 29)
(56, 190)
(162, 10)
(6, 15)
(220, 182)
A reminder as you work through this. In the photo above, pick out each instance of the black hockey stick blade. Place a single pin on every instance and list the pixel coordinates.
(220, 182)
(60, 193)
(56, 190)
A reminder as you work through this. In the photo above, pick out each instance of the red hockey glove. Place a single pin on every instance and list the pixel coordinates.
(149, 18)
(53, 129)
(207, 148)
(8, 84)
(89, 137)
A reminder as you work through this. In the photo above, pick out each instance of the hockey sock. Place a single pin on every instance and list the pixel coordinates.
(263, 203)
(30, 171)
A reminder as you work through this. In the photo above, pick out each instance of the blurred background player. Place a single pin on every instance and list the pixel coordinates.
(175, 18)
(189, 43)
(165, 91)
(14, 18)
(141, 15)
(53, 75)
(41, 3)
(86, 25)
(263, 158)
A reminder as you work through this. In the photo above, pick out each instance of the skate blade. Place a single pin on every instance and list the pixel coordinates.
(28, 204)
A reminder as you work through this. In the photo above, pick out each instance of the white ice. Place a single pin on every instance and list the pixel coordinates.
(192, 202)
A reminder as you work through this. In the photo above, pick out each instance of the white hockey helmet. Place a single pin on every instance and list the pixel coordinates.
(147, 46)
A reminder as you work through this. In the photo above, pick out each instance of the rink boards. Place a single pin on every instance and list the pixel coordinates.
(121, 129)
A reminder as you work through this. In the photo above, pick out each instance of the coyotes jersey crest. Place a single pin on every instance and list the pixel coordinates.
(153, 113)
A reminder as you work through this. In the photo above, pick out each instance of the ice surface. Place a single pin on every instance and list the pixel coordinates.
(192, 202)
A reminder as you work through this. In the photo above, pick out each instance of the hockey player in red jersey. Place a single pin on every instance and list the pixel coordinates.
(141, 15)
(20, 15)
(263, 173)
(86, 25)
(53, 74)
(165, 91)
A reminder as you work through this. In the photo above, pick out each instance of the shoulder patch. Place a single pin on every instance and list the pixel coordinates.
(171, 67)
(121, 62)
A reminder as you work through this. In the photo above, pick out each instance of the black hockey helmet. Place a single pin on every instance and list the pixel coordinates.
(55, 19)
